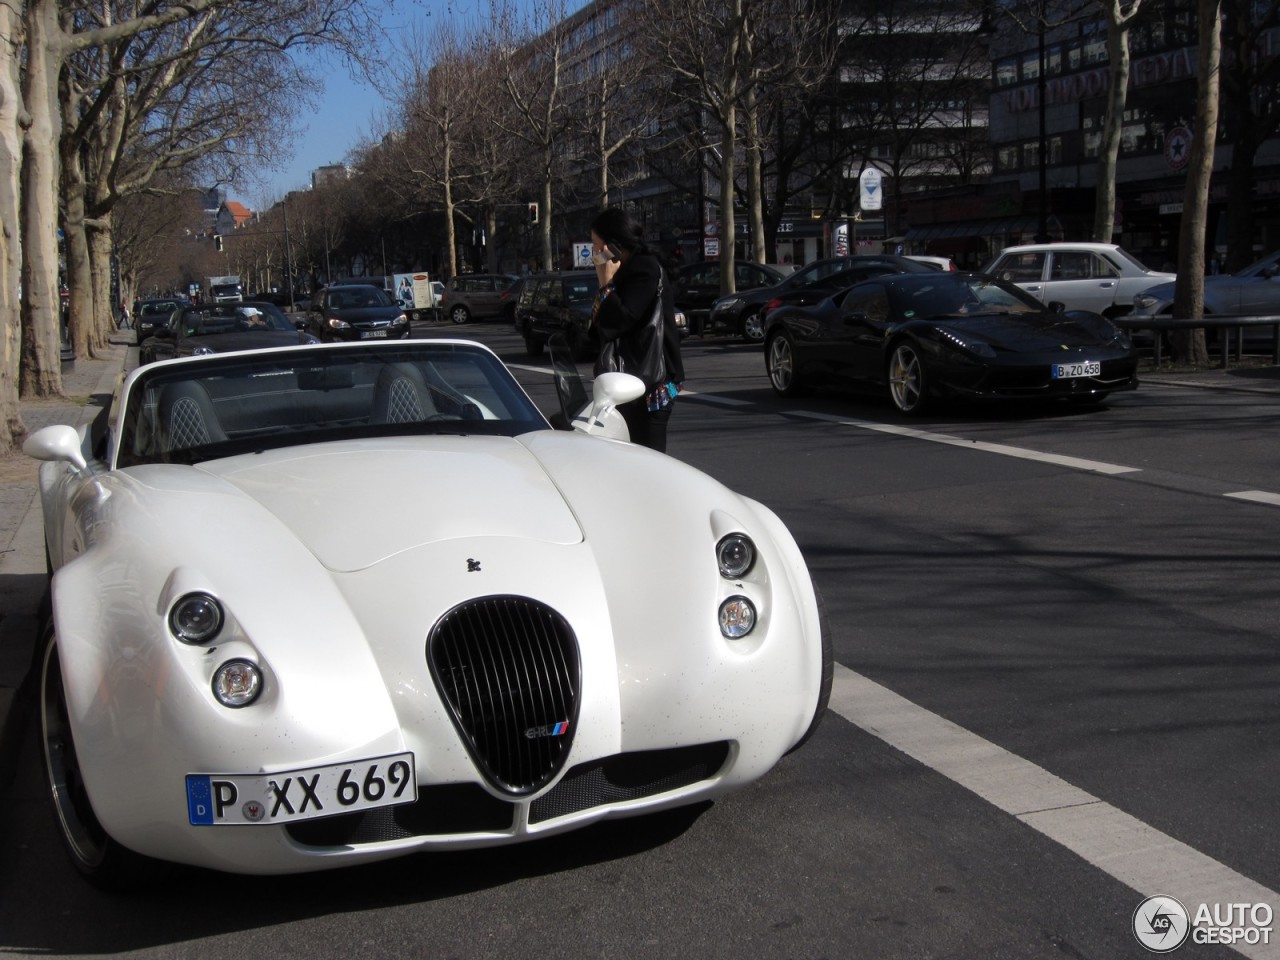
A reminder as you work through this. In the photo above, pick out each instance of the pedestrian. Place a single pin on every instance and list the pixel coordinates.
(123, 323)
(633, 284)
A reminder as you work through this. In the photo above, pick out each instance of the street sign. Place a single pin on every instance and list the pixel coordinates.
(582, 254)
(870, 184)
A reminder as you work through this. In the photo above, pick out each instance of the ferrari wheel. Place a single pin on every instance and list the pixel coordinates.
(780, 362)
(459, 315)
(908, 382)
(101, 860)
(753, 327)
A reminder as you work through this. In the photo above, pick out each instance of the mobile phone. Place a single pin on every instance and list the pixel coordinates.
(600, 258)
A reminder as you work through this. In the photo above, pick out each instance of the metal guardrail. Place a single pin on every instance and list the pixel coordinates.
(1227, 324)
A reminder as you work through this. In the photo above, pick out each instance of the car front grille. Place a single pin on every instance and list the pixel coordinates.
(508, 669)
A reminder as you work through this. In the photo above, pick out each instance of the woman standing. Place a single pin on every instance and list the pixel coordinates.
(632, 283)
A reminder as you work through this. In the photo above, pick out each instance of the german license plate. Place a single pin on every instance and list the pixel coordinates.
(370, 334)
(1086, 368)
(215, 799)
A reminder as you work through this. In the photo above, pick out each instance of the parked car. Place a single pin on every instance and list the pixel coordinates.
(559, 302)
(918, 337)
(942, 263)
(268, 652)
(355, 311)
(510, 297)
(830, 285)
(742, 314)
(151, 313)
(472, 296)
(1251, 292)
(219, 327)
(697, 287)
(1100, 277)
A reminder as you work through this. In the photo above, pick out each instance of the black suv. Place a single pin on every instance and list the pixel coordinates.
(743, 313)
(559, 302)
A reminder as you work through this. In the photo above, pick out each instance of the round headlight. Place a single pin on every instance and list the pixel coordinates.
(237, 683)
(196, 618)
(737, 617)
(735, 554)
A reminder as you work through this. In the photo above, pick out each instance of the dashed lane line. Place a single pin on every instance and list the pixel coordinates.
(1120, 845)
(1256, 496)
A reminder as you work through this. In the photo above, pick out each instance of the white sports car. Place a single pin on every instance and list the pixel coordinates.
(320, 605)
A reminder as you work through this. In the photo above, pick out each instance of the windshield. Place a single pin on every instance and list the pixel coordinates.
(342, 298)
(212, 320)
(581, 290)
(959, 296)
(188, 411)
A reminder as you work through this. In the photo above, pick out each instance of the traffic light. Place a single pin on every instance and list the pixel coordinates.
(217, 242)
(533, 213)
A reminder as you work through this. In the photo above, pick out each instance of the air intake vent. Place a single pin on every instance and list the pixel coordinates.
(508, 669)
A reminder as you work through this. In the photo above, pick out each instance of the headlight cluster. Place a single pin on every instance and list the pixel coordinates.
(336, 324)
(197, 619)
(735, 556)
(978, 348)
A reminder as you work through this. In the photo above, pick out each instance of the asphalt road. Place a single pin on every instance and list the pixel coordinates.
(1057, 696)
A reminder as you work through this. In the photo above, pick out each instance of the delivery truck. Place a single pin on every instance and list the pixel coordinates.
(418, 295)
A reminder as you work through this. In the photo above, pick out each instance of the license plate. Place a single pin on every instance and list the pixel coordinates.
(370, 334)
(215, 799)
(1086, 368)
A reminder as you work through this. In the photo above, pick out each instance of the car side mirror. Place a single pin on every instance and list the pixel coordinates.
(601, 416)
(1271, 270)
(1057, 306)
(60, 442)
(856, 316)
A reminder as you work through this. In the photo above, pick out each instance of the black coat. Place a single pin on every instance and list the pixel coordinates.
(625, 314)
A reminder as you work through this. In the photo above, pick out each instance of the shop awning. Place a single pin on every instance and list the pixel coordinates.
(999, 227)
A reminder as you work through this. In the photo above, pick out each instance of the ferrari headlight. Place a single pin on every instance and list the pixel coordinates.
(969, 344)
(735, 554)
(737, 617)
(196, 618)
(237, 683)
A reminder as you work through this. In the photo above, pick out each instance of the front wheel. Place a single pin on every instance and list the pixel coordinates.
(908, 380)
(753, 327)
(100, 859)
(780, 363)
(459, 315)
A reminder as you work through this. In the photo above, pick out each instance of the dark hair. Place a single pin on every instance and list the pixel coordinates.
(619, 229)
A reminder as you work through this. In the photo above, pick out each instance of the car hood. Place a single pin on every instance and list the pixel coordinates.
(1035, 332)
(248, 340)
(366, 314)
(357, 503)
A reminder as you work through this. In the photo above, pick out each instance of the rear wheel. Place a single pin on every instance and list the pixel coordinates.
(100, 859)
(459, 314)
(908, 380)
(780, 363)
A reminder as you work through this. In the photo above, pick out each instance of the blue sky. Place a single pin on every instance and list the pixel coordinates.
(350, 110)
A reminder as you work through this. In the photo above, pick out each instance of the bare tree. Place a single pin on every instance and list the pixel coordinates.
(1119, 16)
(1188, 293)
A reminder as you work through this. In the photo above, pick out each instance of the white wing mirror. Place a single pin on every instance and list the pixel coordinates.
(56, 443)
(601, 417)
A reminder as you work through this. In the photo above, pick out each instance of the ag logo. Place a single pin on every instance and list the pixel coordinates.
(1161, 924)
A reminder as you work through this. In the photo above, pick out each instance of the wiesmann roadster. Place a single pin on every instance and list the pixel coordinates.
(923, 336)
(320, 605)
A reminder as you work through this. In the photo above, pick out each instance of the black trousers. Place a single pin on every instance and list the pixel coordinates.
(647, 428)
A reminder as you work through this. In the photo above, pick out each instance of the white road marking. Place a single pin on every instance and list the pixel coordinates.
(520, 366)
(712, 398)
(1256, 496)
(1075, 463)
(1109, 839)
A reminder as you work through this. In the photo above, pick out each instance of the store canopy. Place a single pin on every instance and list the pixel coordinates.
(1000, 227)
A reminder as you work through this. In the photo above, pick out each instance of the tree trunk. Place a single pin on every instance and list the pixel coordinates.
(728, 227)
(755, 178)
(40, 374)
(1104, 209)
(101, 251)
(11, 426)
(1188, 298)
(544, 211)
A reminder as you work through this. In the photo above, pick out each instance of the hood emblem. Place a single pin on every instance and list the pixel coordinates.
(473, 566)
(550, 730)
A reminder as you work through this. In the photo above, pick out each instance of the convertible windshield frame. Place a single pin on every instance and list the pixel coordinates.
(205, 408)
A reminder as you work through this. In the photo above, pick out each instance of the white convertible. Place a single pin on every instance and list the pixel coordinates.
(314, 606)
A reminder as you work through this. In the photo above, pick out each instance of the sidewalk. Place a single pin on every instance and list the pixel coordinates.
(88, 385)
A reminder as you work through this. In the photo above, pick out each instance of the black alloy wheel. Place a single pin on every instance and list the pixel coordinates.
(100, 859)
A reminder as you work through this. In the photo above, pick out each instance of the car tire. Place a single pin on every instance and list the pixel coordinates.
(100, 859)
(907, 378)
(828, 673)
(780, 364)
(753, 327)
(534, 345)
(459, 314)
